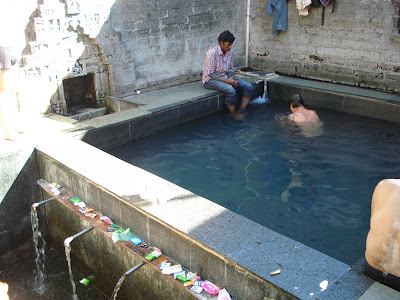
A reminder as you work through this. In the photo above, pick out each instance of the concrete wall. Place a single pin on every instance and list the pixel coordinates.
(166, 40)
(358, 45)
(18, 173)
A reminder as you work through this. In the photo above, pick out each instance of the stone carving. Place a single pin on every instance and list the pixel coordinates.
(51, 11)
(62, 39)
(73, 7)
(101, 96)
(92, 23)
(78, 69)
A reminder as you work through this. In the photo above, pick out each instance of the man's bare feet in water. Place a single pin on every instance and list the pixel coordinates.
(238, 115)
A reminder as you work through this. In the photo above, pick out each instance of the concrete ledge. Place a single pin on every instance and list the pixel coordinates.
(118, 104)
(156, 110)
(222, 246)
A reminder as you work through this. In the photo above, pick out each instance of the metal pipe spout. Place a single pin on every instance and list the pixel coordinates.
(68, 240)
(34, 205)
(129, 272)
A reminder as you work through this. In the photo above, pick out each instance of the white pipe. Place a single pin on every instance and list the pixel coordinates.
(247, 33)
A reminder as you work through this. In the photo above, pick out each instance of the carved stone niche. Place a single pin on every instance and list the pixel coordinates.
(87, 84)
(72, 7)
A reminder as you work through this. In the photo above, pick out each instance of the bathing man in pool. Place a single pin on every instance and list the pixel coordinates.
(218, 73)
(299, 112)
(382, 254)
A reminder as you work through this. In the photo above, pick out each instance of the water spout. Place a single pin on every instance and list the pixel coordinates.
(68, 240)
(34, 205)
(67, 246)
(121, 280)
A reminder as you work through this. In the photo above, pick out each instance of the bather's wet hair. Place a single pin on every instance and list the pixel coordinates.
(226, 36)
(296, 100)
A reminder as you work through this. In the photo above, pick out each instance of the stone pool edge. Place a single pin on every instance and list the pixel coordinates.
(351, 283)
(192, 230)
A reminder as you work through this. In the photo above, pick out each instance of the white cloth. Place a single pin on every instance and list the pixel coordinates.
(301, 6)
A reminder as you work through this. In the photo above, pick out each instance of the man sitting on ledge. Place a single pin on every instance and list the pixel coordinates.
(382, 254)
(218, 73)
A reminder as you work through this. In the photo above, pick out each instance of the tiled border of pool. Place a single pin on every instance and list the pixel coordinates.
(239, 240)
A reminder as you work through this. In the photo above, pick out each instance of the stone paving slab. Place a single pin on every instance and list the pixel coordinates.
(381, 292)
(171, 96)
(122, 116)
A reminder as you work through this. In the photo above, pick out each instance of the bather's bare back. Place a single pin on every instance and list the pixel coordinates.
(383, 240)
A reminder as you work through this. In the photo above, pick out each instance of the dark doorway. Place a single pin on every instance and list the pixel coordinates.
(80, 93)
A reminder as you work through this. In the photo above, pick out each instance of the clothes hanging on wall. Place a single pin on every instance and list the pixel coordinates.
(302, 7)
(325, 3)
(278, 8)
(315, 3)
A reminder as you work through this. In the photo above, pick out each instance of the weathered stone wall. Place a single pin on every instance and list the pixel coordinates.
(164, 41)
(128, 45)
(359, 43)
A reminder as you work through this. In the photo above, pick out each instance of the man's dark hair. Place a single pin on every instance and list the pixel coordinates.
(226, 36)
(296, 100)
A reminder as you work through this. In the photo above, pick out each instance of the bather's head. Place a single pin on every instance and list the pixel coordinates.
(225, 41)
(296, 101)
(226, 36)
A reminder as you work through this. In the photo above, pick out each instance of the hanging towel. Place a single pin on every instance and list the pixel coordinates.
(278, 8)
(301, 6)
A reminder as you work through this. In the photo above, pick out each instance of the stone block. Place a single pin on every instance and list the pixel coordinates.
(120, 134)
(322, 99)
(201, 18)
(372, 108)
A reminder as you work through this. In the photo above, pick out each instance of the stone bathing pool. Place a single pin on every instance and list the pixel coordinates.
(314, 189)
(224, 247)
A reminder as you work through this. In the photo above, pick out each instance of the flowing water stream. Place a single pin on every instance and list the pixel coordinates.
(71, 276)
(40, 245)
(117, 287)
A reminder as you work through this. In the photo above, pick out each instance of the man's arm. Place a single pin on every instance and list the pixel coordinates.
(231, 80)
(209, 66)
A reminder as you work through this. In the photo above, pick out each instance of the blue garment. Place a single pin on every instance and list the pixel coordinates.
(278, 8)
(229, 91)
